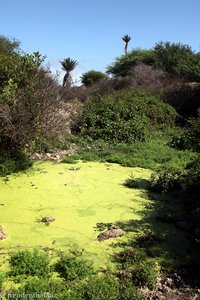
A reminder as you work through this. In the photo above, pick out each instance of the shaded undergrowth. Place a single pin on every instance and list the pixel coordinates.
(149, 154)
(163, 234)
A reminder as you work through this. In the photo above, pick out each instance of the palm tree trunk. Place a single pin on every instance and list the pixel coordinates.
(126, 48)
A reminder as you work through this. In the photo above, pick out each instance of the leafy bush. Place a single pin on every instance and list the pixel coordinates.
(2, 279)
(70, 159)
(133, 183)
(124, 116)
(71, 267)
(123, 64)
(100, 288)
(128, 291)
(178, 59)
(12, 158)
(174, 58)
(39, 288)
(137, 268)
(145, 273)
(92, 76)
(193, 175)
(102, 119)
(166, 179)
(29, 263)
(184, 97)
(190, 139)
(30, 106)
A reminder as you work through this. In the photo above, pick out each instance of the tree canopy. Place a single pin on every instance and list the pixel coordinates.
(92, 76)
(176, 59)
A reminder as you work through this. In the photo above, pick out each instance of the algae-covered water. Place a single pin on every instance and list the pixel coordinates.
(78, 196)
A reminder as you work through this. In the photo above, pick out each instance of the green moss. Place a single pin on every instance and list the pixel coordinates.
(78, 198)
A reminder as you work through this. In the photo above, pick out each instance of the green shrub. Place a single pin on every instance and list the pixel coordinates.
(128, 291)
(70, 159)
(2, 279)
(29, 263)
(166, 179)
(102, 119)
(193, 174)
(145, 273)
(123, 116)
(133, 183)
(72, 267)
(92, 76)
(39, 288)
(98, 288)
(12, 158)
(190, 139)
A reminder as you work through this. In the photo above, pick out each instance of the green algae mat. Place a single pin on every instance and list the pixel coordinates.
(78, 196)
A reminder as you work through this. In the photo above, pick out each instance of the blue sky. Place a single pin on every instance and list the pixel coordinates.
(90, 31)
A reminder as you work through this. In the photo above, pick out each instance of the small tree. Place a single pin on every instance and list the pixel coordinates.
(126, 38)
(91, 77)
(8, 46)
(68, 65)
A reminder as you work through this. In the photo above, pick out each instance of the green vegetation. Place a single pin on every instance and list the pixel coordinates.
(174, 58)
(149, 154)
(29, 264)
(72, 267)
(124, 116)
(91, 77)
(135, 140)
(189, 139)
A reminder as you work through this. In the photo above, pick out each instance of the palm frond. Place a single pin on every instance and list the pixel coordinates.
(68, 64)
(126, 38)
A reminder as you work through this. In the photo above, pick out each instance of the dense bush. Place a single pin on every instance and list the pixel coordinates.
(39, 288)
(174, 58)
(128, 291)
(135, 266)
(92, 76)
(190, 139)
(29, 263)
(125, 63)
(178, 59)
(193, 175)
(72, 267)
(124, 116)
(12, 158)
(30, 105)
(145, 273)
(70, 159)
(97, 288)
(184, 97)
(167, 179)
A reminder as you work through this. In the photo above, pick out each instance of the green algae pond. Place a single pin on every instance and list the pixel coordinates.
(79, 197)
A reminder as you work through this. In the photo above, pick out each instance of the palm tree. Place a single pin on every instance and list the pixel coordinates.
(126, 38)
(68, 65)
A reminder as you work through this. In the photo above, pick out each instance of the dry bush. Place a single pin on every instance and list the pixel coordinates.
(184, 97)
(33, 115)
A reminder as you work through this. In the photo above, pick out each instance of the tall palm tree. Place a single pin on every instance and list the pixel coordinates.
(126, 38)
(68, 65)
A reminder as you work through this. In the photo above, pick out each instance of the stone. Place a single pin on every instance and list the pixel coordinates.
(113, 232)
(48, 219)
(3, 236)
(149, 206)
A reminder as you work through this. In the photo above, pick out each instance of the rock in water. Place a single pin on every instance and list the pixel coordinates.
(113, 232)
(48, 219)
(3, 236)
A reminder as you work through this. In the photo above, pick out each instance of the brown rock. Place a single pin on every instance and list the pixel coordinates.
(3, 236)
(113, 232)
(48, 219)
